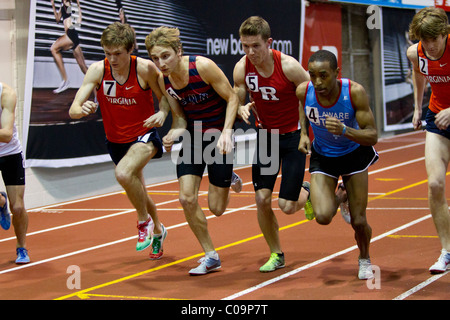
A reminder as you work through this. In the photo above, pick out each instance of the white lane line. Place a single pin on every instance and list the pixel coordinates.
(401, 164)
(127, 211)
(420, 286)
(317, 262)
(84, 221)
(31, 264)
(174, 200)
(412, 145)
(175, 180)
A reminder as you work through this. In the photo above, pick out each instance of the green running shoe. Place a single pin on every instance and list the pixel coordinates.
(157, 245)
(309, 212)
(276, 261)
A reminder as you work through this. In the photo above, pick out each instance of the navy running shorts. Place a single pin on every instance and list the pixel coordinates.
(431, 126)
(118, 150)
(199, 151)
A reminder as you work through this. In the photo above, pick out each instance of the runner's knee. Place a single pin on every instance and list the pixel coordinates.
(287, 206)
(217, 209)
(436, 187)
(359, 221)
(122, 176)
(323, 218)
(17, 209)
(263, 201)
(188, 201)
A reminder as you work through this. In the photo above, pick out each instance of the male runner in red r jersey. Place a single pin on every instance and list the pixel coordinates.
(271, 78)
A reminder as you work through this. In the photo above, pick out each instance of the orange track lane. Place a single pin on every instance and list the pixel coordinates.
(98, 236)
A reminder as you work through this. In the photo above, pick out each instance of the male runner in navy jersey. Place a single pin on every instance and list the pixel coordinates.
(202, 90)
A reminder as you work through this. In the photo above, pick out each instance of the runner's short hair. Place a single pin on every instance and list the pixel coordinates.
(118, 35)
(165, 37)
(254, 26)
(429, 23)
(323, 56)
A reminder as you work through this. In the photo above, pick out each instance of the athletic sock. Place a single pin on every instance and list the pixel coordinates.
(212, 254)
(141, 222)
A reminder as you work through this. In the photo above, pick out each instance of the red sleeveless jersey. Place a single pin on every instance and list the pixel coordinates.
(437, 73)
(124, 107)
(274, 97)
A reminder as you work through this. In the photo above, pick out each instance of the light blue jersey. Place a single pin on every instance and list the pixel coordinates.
(326, 143)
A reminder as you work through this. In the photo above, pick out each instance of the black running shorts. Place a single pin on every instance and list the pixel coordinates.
(12, 169)
(270, 156)
(351, 163)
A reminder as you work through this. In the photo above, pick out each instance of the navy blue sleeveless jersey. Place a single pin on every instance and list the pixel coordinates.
(204, 108)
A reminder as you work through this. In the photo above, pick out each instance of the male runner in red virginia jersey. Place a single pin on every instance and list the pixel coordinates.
(431, 62)
(124, 85)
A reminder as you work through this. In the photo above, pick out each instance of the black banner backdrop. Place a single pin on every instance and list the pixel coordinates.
(208, 28)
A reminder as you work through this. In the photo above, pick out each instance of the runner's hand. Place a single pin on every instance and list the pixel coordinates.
(89, 107)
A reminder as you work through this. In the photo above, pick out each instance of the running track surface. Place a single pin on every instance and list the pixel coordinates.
(97, 237)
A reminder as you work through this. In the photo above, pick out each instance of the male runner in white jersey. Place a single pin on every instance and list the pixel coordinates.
(13, 172)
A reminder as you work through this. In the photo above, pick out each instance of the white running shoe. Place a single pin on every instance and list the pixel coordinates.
(62, 87)
(442, 264)
(365, 269)
(207, 264)
(236, 183)
(345, 212)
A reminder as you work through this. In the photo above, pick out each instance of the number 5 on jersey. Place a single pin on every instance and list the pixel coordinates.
(313, 115)
(252, 83)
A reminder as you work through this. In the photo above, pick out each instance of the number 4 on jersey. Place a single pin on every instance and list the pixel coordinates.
(313, 115)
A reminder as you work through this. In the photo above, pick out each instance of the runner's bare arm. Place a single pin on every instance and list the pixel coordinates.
(81, 107)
